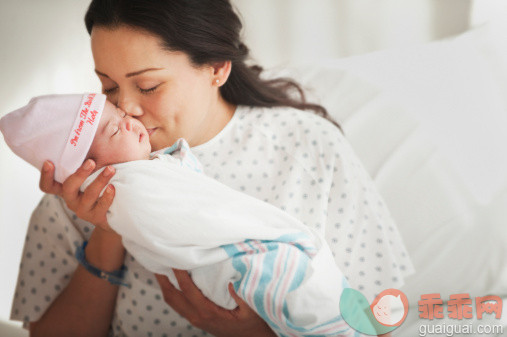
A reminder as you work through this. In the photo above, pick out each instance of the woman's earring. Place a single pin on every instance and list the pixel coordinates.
(217, 81)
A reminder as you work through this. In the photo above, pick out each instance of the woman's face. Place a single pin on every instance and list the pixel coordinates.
(161, 89)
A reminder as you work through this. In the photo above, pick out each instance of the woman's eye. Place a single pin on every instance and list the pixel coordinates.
(148, 91)
(109, 91)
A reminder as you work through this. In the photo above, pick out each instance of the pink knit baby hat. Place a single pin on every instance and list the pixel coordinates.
(59, 128)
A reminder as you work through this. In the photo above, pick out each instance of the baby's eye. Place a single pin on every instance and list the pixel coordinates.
(117, 130)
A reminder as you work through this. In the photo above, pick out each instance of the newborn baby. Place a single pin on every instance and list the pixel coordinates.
(119, 138)
(171, 216)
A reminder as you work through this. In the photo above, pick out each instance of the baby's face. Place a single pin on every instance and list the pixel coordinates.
(119, 138)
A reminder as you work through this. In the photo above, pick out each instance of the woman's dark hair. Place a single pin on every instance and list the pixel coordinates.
(208, 31)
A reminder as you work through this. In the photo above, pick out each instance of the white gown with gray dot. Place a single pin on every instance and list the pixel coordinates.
(292, 159)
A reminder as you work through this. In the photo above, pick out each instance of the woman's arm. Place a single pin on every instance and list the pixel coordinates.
(206, 315)
(85, 307)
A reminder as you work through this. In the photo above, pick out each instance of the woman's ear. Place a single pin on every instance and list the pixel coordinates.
(221, 72)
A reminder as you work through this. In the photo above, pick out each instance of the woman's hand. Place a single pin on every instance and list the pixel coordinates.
(87, 205)
(204, 314)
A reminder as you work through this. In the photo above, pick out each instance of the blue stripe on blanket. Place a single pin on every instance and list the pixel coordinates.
(172, 148)
(273, 268)
(236, 254)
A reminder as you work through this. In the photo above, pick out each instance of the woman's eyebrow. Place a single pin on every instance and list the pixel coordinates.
(141, 71)
(130, 74)
(100, 73)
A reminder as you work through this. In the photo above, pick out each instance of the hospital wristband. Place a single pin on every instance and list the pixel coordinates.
(114, 277)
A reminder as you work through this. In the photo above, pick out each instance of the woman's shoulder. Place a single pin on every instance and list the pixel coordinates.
(290, 125)
(280, 115)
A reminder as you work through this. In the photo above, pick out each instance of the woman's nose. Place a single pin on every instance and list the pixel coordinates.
(129, 106)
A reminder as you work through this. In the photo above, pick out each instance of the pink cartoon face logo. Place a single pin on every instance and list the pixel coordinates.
(390, 307)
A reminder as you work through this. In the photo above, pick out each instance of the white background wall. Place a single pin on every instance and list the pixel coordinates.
(44, 48)
(297, 31)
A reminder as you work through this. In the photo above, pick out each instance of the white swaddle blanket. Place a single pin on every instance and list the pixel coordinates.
(170, 216)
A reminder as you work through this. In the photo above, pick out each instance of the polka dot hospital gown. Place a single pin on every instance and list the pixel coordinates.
(292, 159)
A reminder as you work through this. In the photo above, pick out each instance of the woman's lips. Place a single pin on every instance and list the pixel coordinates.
(150, 131)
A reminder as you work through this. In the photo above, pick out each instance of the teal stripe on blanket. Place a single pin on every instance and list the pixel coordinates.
(299, 251)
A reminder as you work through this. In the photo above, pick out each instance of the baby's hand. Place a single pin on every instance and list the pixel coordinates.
(87, 205)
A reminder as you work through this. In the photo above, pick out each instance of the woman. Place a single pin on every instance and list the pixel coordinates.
(179, 68)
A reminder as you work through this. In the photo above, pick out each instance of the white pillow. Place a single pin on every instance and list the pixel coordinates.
(457, 90)
(455, 238)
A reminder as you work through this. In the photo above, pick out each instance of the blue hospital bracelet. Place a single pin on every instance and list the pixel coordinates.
(114, 277)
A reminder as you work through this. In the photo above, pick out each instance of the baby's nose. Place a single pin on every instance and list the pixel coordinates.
(128, 124)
